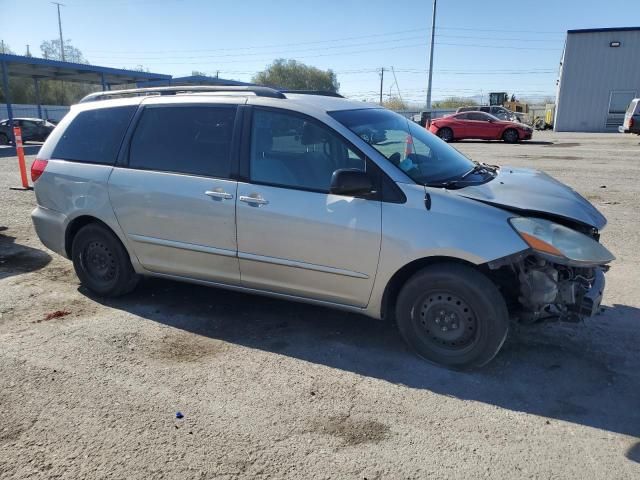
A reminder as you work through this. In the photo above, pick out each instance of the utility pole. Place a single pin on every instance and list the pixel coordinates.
(2, 45)
(28, 51)
(58, 4)
(433, 36)
(381, 83)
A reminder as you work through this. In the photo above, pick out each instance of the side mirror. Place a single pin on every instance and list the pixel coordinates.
(350, 181)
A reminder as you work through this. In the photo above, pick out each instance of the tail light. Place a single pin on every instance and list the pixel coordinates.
(37, 168)
(631, 122)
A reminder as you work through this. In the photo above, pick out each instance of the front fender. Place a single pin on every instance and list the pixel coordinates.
(453, 227)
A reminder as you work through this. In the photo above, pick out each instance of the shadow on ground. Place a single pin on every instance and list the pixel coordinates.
(634, 453)
(16, 259)
(550, 374)
(10, 151)
(522, 142)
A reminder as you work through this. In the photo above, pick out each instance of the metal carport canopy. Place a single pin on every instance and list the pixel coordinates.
(44, 69)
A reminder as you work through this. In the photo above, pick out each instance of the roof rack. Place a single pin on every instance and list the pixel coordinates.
(174, 90)
(324, 93)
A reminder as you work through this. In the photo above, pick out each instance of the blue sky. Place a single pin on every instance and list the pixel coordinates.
(481, 46)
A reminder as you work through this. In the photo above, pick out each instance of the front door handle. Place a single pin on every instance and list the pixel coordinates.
(257, 200)
(219, 194)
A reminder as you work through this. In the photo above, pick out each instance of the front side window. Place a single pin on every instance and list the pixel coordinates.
(291, 151)
(478, 116)
(193, 140)
(421, 155)
(94, 136)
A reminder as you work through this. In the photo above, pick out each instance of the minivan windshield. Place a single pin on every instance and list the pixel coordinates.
(421, 155)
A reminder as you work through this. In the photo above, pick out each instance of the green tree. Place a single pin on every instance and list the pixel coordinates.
(295, 75)
(454, 102)
(394, 103)
(52, 92)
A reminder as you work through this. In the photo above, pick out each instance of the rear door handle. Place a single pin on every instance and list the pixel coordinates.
(219, 194)
(253, 200)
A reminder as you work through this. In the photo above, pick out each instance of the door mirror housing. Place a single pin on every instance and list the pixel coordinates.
(351, 181)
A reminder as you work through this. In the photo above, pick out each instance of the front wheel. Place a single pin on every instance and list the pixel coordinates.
(510, 136)
(446, 134)
(452, 315)
(101, 262)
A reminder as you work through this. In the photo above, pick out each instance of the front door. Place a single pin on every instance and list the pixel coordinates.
(481, 126)
(294, 237)
(174, 200)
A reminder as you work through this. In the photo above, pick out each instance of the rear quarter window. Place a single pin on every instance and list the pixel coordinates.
(94, 136)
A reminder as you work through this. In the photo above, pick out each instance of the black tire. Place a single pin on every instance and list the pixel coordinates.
(101, 262)
(510, 135)
(465, 307)
(4, 140)
(446, 134)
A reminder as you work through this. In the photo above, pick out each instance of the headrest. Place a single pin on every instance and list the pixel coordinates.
(311, 134)
(264, 139)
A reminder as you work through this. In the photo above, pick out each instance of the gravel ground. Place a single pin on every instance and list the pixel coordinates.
(271, 389)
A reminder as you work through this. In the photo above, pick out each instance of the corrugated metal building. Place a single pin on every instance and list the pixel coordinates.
(599, 75)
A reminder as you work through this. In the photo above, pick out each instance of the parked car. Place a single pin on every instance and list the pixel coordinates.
(496, 110)
(33, 130)
(631, 122)
(479, 125)
(316, 199)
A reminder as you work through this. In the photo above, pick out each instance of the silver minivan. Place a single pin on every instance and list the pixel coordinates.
(319, 199)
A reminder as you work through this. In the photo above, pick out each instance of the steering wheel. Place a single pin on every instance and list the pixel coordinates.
(395, 158)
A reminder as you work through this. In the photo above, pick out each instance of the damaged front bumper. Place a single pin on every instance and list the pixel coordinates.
(544, 290)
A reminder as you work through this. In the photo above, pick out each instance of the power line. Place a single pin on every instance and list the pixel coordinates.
(399, 32)
(340, 39)
(422, 44)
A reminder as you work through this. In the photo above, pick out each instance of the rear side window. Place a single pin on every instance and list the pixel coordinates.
(94, 136)
(194, 140)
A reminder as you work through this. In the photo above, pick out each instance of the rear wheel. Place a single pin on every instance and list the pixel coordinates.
(446, 134)
(510, 136)
(101, 262)
(452, 315)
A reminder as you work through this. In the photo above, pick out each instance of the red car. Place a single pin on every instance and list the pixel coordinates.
(479, 125)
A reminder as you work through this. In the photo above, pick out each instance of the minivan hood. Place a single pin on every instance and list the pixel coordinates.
(531, 191)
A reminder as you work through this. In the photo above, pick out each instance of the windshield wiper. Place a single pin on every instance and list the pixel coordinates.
(481, 168)
(451, 184)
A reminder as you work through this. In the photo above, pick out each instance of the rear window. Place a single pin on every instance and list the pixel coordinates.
(194, 140)
(632, 107)
(94, 136)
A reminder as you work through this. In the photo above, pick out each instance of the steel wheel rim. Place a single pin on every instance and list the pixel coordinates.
(446, 321)
(99, 263)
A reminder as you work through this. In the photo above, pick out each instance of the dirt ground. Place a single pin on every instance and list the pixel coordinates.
(271, 389)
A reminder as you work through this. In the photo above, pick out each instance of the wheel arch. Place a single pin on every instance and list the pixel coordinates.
(76, 224)
(402, 275)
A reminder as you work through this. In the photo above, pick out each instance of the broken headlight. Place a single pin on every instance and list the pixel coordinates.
(560, 244)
